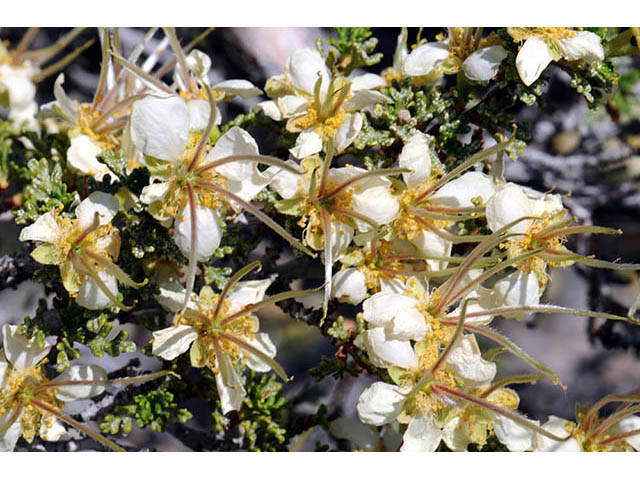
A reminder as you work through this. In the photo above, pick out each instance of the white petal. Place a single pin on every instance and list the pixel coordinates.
(288, 184)
(70, 393)
(398, 313)
(11, 435)
(556, 426)
(307, 144)
(363, 436)
(231, 393)
(173, 341)
(241, 88)
(21, 90)
(456, 435)
(348, 131)
(417, 155)
(465, 359)
(82, 158)
(199, 63)
(349, 286)
(51, 432)
(263, 343)
(532, 59)
(44, 229)
(199, 111)
(235, 142)
(582, 46)
(21, 352)
(303, 69)
(367, 81)
(104, 204)
(246, 293)
(160, 126)
(340, 238)
(381, 403)
(363, 98)
(386, 352)
(291, 105)
(156, 192)
(209, 232)
(67, 107)
(4, 366)
(91, 295)
(518, 289)
(171, 295)
(627, 425)
(508, 205)
(430, 244)
(422, 435)
(376, 203)
(425, 58)
(270, 109)
(513, 435)
(460, 192)
(482, 65)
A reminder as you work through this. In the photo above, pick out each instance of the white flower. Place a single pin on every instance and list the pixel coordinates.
(463, 49)
(231, 336)
(542, 45)
(17, 94)
(84, 249)
(328, 112)
(21, 370)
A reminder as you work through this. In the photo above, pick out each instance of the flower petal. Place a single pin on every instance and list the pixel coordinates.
(425, 58)
(627, 425)
(104, 204)
(247, 293)
(466, 360)
(171, 342)
(508, 205)
(362, 436)
(21, 352)
(82, 157)
(304, 68)
(381, 403)
(513, 435)
(44, 229)
(263, 343)
(422, 435)
(417, 155)
(431, 244)
(199, 111)
(483, 64)
(518, 289)
(66, 107)
(70, 393)
(557, 426)
(348, 131)
(349, 286)
(231, 391)
(241, 88)
(11, 435)
(234, 142)
(208, 230)
(160, 126)
(532, 59)
(386, 352)
(363, 98)
(367, 81)
(92, 297)
(582, 46)
(270, 109)
(459, 192)
(51, 429)
(307, 144)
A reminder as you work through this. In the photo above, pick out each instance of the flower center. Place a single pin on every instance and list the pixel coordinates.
(547, 34)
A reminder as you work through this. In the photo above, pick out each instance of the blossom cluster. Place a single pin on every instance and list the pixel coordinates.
(427, 246)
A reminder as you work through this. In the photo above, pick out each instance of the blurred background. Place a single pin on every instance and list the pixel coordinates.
(584, 154)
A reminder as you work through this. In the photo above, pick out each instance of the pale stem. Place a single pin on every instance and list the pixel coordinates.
(182, 61)
(239, 275)
(268, 301)
(593, 411)
(60, 64)
(191, 273)
(78, 426)
(513, 379)
(328, 158)
(328, 262)
(264, 159)
(104, 68)
(116, 108)
(478, 157)
(440, 216)
(456, 335)
(114, 269)
(434, 208)
(42, 55)
(14, 416)
(449, 236)
(117, 381)
(115, 125)
(353, 214)
(204, 140)
(621, 436)
(26, 40)
(499, 410)
(385, 172)
(612, 420)
(579, 229)
(142, 75)
(547, 309)
(264, 218)
(169, 65)
(258, 353)
(91, 228)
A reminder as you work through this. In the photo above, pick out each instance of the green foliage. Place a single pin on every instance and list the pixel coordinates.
(155, 409)
(354, 48)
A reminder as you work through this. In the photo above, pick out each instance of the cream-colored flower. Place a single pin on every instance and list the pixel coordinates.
(85, 249)
(542, 45)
